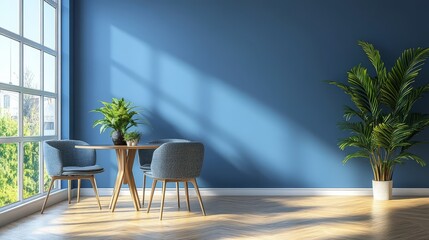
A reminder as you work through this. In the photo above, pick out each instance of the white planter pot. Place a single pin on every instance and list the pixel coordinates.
(382, 190)
(132, 143)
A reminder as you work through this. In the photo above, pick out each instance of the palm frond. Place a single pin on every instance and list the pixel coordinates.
(409, 156)
(357, 154)
(355, 141)
(350, 112)
(414, 95)
(375, 58)
(342, 86)
(362, 91)
(389, 136)
(400, 78)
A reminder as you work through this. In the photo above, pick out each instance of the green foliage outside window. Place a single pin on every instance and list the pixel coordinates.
(31, 169)
(8, 161)
(9, 155)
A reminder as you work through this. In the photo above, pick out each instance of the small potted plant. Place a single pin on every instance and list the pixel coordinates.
(119, 115)
(132, 138)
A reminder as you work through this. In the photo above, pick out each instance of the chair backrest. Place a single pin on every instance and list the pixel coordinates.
(145, 155)
(62, 153)
(178, 160)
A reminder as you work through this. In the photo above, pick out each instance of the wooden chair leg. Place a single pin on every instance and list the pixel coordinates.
(69, 190)
(47, 195)
(111, 200)
(154, 181)
(194, 182)
(178, 198)
(94, 186)
(78, 190)
(187, 196)
(144, 188)
(164, 183)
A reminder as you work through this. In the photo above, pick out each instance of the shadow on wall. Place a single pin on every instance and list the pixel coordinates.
(253, 139)
(248, 143)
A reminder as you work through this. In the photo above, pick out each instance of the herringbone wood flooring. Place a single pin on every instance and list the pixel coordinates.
(231, 218)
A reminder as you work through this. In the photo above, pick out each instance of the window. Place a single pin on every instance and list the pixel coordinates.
(28, 95)
(6, 101)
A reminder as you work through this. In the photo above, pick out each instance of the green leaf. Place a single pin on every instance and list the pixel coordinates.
(399, 82)
(409, 156)
(375, 59)
(358, 154)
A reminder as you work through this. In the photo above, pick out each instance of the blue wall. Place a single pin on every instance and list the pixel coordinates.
(243, 76)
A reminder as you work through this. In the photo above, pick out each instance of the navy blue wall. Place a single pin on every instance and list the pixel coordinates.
(243, 76)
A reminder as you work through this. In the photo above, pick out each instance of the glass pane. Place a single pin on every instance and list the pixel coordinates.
(49, 72)
(8, 173)
(9, 113)
(9, 60)
(46, 180)
(31, 169)
(49, 116)
(9, 15)
(32, 20)
(49, 25)
(31, 115)
(31, 67)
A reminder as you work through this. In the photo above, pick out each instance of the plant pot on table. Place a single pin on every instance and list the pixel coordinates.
(118, 138)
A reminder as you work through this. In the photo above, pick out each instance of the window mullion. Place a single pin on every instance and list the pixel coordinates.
(41, 168)
(52, 3)
(27, 41)
(41, 172)
(21, 97)
(31, 91)
(27, 139)
(42, 17)
(21, 18)
(58, 70)
(41, 131)
(42, 87)
(20, 170)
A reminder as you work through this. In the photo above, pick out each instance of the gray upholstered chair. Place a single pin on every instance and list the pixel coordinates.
(65, 162)
(145, 159)
(177, 162)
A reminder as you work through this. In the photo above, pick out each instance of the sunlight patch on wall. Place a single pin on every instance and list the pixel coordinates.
(238, 127)
(137, 55)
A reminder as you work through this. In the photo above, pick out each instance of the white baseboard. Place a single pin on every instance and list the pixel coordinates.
(14, 213)
(271, 191)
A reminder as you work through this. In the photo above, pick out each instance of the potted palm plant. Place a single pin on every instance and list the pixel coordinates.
(382, 122)
(119, 115)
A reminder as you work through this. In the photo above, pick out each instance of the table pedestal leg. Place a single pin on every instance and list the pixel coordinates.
(125, 176)
(131, 183)
(114, 189)
(119, 178)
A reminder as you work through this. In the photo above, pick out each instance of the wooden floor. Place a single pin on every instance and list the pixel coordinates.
(232, 218)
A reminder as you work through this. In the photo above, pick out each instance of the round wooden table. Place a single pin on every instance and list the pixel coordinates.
(125, 156)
